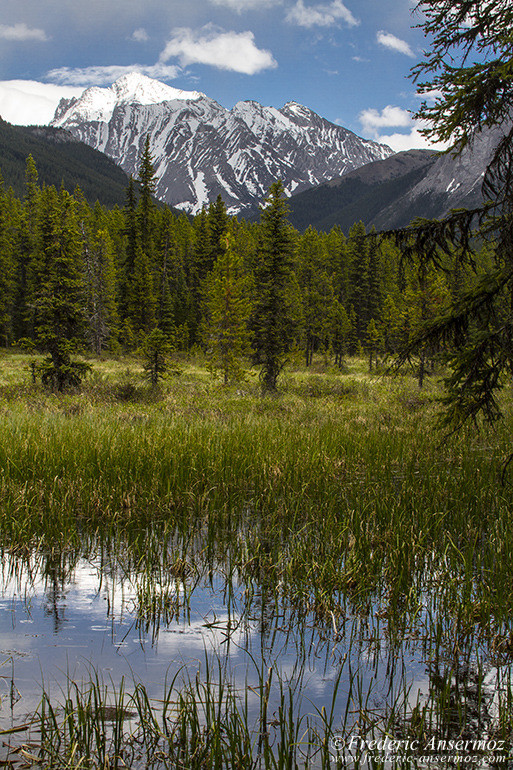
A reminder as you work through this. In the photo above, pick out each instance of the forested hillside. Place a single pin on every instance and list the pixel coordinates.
(103, 280)
(60, 159)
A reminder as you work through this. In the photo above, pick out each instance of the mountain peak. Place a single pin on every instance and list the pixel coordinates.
(297, 109)
(134, 88)
(97, 104)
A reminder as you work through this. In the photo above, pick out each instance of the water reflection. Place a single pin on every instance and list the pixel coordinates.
(64, 614)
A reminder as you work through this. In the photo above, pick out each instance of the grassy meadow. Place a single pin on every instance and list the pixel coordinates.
(338, 499)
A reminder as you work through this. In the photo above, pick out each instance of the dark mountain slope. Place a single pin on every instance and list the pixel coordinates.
(390, 193)
(59, 158)
(362, 194)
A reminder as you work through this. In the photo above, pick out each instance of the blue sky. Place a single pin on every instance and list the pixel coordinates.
(347, 60)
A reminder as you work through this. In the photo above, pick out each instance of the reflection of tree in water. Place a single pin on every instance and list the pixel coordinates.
(461, 707)
(459, 700)
(57, 573)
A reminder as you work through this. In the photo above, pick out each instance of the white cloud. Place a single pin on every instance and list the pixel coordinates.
(26, 102)
(320, 15)
(21, 32)
(373, 122)
(105, 75)
(245, 5)
(394, 43)
(413, 140)
(235, 51)
(140, 35)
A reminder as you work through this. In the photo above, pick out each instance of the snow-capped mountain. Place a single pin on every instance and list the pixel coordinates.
(200, 149)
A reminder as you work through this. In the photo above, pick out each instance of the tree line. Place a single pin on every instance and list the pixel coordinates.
(76, 278)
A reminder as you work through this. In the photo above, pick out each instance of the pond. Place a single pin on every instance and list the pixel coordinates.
(168, 659)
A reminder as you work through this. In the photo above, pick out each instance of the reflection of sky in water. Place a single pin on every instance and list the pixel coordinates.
(49, 633)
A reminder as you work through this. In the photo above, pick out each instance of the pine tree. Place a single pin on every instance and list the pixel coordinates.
(131, 234)
(469, 65)
(372, 342)
(217, 229)
(103, 320)
(317, 292)
(358, 256)
(340, 331)
(273, 319)
(156, 349)
(141, 297)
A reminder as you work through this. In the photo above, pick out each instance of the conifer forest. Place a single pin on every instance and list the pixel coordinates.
(81, 279)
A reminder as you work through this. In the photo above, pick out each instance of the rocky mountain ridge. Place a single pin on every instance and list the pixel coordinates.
(201, 149)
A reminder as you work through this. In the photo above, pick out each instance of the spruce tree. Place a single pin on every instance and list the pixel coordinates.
(7, 267)
(59, 291)
(141, 296)
(131, 238)
(217, 229)
(358, 256)
(102, 312)
(272, 321)
(147, 184)
(317, 292)
(468, 64)
(155, 349)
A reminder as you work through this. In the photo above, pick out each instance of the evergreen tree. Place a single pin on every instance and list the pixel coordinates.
(217, 229)
(273, 320)
(340, 331)
(155, 348)
(100, 274)
(7, 267)
(141, 297)
(147, 182)
(317, 292)
(59, 291)
(358, 257)
(372, 342)
(469, 66)
(131, 233)
(226, 313)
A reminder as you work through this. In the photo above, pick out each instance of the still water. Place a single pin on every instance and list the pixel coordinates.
(70, 617)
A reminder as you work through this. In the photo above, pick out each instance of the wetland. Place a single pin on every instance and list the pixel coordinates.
(196, 576)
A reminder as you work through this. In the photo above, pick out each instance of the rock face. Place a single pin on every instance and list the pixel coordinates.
(390, 193)
(450, 182)
(201, 149)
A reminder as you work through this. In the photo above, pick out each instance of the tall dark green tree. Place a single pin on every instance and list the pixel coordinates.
(142, 302)
(272, 322)
(217, 229)
(7, 267)
(358, 258)
(59, 296)
(100, 274)
(469, 64)
(317, 292)
(147, 183)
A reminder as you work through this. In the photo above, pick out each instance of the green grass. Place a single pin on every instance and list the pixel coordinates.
(337, 497)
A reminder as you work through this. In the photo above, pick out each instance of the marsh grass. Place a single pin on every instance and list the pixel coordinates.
(201, 721)
(335, 499)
